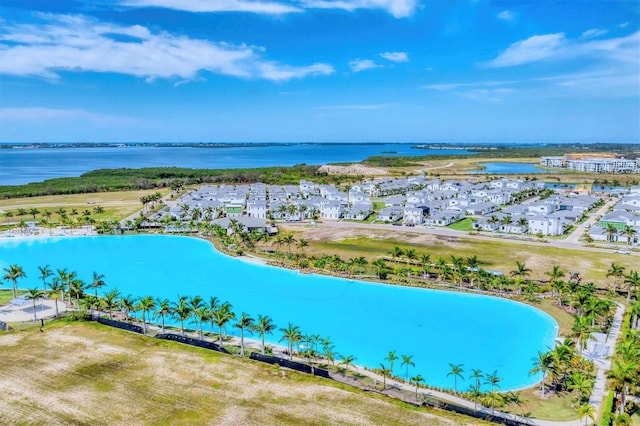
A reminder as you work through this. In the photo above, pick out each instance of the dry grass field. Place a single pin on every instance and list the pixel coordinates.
(492, 254)
(117, 205)
(89, 374)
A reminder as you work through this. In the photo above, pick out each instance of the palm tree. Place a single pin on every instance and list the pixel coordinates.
(33, 212)
(556, 273)
(611, 231)
(360, 263)
(384, 371)
(13, 273)
(455, 371)
(195, 304)
(263, 326)
(493, 380)
(416, 380)
(288, 240)
(98, 282)
(516, 398)
(302, 243)
(347, 361)
(629, 232)
(214, 305)
(244, 323)
(475, 393)
(163, 308)
(57, 287)
(621, 376)
(391, 357)
(582, 329)
(617, 272)
(45, 272)
(91, 302)
(34, 294)
(492, 399)
(380, 266)
(396, 253)
(476, 374)
(146, 304)
(632, 281)
(201, 315)
(111, 301)
(128, 305)
(223, 315)
(580, 384)
(290, 334)
(77, 287)
(520, 273)
(542, 364)
(407, 360)
(182, 311)
(587, 412)
(66, 277)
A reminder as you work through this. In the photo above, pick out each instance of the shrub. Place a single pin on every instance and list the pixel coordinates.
(607, 409)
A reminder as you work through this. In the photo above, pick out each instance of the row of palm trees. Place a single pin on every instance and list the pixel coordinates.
(624, 375)
(62, 213)
(612, 231)
(150, 200)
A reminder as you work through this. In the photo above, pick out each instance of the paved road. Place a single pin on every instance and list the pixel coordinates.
(574, 237)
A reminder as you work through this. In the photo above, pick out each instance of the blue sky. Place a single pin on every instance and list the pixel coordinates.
(320, 70)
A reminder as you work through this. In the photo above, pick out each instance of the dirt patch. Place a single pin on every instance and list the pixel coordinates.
(10, 339)
(353, 170)
(321, 234)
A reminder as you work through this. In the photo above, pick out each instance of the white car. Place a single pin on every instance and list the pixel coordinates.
(623, 251)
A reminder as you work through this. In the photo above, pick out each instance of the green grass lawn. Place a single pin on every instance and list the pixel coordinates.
(7, 295)
(557, 407)
(462, 225)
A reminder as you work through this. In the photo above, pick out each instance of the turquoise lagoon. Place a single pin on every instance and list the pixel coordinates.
(363, 319)
(510, 168)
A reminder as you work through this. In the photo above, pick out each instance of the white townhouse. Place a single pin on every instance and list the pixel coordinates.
(390, 214)
(257, 209)
(545, 225)
(444, 218)
(413, 216)
(331, 209)
(359, 210)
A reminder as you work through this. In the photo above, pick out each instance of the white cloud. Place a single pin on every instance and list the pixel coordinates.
(557, 47)
(491, 91)
(506, 15)
(395, 56)
(250, 6)
(621, 49)
(594, 32)
(533, 49)
(618, 80)
(624, 24)
(397, 8)
(486, 95)
(276, 72)
(39, 114)
(78, 44)
(453, 86)
(358, 65)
